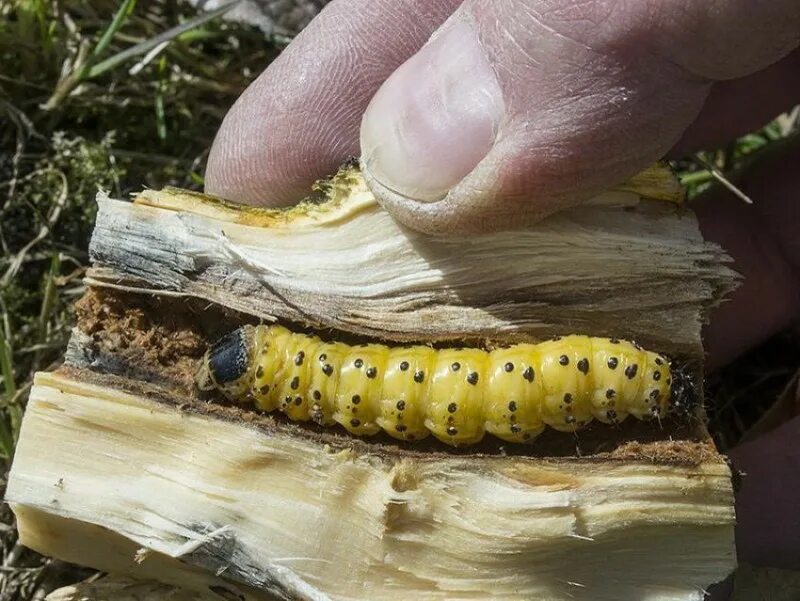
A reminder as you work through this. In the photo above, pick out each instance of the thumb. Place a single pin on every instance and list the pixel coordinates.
(514, 110)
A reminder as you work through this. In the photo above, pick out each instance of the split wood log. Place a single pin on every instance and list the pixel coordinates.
(297, 519)
(124, 465)
(617, 266)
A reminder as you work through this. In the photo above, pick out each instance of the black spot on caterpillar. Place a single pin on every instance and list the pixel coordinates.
(411, 392)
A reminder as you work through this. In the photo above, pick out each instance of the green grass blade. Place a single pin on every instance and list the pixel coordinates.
(161, 122)
(15, 423)
(696, 177)
(149, 44)
(124, 11)
(7, 368)
(49, 298)
(6, 439)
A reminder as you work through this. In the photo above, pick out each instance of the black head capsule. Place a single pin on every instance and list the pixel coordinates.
(227, 360)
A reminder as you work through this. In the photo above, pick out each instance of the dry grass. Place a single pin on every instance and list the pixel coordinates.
(94, 95)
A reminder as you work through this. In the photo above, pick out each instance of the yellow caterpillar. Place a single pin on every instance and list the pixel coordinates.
(455, 394)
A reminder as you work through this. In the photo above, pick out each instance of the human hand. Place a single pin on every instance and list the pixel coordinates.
(762, 238)
(512, 110)
(552, 100)
(517, 109)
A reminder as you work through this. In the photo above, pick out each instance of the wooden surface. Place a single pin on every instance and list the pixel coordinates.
(620, 268)
(751, 584)
(291, 518)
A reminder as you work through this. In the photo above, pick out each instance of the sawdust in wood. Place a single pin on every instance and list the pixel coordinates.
(143, 332)
(125, 325)
(692, 452)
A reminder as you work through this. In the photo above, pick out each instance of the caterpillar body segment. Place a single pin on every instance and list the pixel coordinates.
(517, 417)
(455, 394)
(403, 406)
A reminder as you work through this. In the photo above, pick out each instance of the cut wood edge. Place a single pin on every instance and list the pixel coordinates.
(197, 488)
(347, 193)
(88, 544)
(657, 182)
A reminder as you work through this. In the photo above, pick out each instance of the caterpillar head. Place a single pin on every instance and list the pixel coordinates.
(226, 365)
(684, 397)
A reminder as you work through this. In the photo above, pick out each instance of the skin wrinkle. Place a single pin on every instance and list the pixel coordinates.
(612, 27)
(711, 28)
(525, 186)
(738, 106)
(606, 10)
(536, 17)
(763, 240)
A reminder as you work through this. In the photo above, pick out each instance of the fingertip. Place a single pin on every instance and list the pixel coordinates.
(434, 119)
(417, 215)
(255, 160)
(299, 120)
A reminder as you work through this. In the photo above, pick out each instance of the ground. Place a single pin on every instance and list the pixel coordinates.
(96, 95)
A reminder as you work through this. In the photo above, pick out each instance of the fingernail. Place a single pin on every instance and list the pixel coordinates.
(435, 118)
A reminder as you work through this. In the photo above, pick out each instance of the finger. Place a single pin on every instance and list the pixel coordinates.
(739, 106)
(720, 591)
(514, 110)
(768, 527)
(763, 239)
(299, 120)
